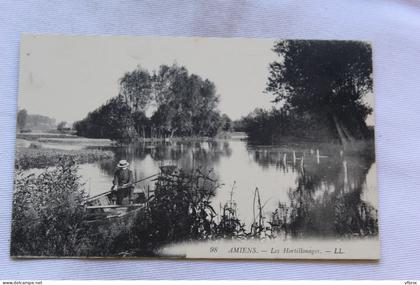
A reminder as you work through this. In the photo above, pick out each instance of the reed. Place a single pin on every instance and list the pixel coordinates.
(38, 157)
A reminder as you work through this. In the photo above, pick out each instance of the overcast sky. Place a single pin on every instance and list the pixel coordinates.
(66, 77)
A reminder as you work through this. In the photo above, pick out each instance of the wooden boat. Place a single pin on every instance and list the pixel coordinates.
(101, 209)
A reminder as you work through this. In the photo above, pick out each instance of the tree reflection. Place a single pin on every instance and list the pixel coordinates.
(327, 200)
(324, 201)
(186, 154)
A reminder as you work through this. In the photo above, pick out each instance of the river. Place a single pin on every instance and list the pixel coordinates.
(278, 171)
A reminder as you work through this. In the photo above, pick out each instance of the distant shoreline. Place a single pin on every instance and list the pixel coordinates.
(47, 137)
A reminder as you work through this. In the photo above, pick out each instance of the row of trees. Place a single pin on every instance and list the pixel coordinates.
(320, 88)
(26, 121)
(279, 125)
(183, 104)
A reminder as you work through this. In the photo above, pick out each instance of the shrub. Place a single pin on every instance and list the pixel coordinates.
(48, 212)
(35, 145)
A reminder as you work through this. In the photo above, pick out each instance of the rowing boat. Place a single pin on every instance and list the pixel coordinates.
(100, 207)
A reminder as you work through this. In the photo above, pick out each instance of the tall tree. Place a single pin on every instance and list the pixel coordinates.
(326, 80)
(185, 105)
(188, 100)
(22, 116)
(61, 126)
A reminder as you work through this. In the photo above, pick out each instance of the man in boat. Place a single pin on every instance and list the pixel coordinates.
(122, 183)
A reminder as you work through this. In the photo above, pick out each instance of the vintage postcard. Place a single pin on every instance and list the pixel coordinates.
(195, 148)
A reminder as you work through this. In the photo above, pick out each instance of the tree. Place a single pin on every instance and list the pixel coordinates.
(186, 101)
(326, 81)
(22, 115)
(141, 123)
(61, 126)
(186, 105)
(112, 120)
(227, 124)
(136, 88)
(162, 119)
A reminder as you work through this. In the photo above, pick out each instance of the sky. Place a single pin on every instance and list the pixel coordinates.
(66, 77)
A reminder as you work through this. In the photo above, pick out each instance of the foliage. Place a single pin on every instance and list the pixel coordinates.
(49, 218)
(21, 118)
(136, 89)
(188, 101)
(141, 123)
(61, 126)
(184, 105)
(279, 126)
(324, 81)
(48, 212)
(112, 120)
(230, 226)
(181, 209)
(227, 124)
(37, 157)
(39, 122)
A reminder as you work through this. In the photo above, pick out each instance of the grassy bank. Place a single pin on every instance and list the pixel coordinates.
(37, 135)
(62, 138)
(43, 157)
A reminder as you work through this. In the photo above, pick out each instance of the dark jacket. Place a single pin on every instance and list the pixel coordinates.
(123, 176)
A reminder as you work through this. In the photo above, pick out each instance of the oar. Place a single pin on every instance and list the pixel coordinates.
(146, 178)
(108, 192)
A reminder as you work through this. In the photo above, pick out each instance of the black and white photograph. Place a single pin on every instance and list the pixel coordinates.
(214, 148)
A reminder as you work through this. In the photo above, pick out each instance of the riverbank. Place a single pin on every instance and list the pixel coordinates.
(32, 157)
(73, 139)
(219, 136)
(62, 138)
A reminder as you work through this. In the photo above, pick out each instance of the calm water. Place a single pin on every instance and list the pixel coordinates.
(278, 171)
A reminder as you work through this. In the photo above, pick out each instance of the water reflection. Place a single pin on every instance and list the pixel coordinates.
(304, 190)
(327, 198)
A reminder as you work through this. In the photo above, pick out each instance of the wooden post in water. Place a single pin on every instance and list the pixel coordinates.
(285, 159)
(148, 195)
(301, 161)
(294, 157)
(89, 188)
(317, 156)
(346, 181)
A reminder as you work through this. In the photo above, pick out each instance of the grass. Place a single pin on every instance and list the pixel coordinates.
(62, 138)
(35, 136)
(38, 157)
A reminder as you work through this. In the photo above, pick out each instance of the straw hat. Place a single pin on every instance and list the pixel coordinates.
(123, 163)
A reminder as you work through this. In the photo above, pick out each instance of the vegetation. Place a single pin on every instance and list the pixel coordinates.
(21, 118)
(184, 105)
(61, 126)
(112, 120)
(27, 122)
(180, 211)
(48, 212)
(49, 218)
(37, 157)
(37, 136)
(275, 126)
(320, 87)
